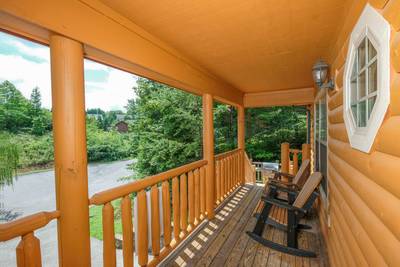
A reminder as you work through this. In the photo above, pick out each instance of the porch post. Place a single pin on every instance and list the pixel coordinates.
(70, 151)
(208, 152)
(285, 161)
(241, 140)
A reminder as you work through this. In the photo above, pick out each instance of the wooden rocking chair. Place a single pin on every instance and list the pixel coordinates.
(277, 188)
(294, 212)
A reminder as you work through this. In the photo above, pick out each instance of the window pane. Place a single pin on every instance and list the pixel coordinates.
(371, 51)
(371, 103)
(372, 78)
(354, 69)
(354, 111)
(362, 116)
(361, 85)
(353, 91)
(361, 55)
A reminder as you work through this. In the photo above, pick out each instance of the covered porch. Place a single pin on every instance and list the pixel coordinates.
(224, 242)
(243, 53)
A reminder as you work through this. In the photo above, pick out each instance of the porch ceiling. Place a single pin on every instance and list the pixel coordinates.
(255, 45)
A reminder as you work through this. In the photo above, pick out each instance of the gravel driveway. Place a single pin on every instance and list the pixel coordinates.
(36, 192)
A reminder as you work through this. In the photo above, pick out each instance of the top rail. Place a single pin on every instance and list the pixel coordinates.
(26, 224)
(125, 189)
(226, 154)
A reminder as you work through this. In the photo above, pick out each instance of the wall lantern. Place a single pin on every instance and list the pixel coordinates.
(320, 72)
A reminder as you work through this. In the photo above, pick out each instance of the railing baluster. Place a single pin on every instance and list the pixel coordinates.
(217, 181)
(295, 162)
(191, 200)
(221, 181)
(109, 256)
(184, 205)
(28, 251)
(230, 174)
(127, 231)
(197, 196)
(143, 243)
(176, 208)
(155, 221)
(226, 177)
(166, 213)
(202, 192)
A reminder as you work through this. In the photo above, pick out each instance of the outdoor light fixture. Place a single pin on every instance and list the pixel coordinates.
(320, 72)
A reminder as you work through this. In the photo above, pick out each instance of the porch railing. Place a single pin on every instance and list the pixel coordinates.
(186, 207)
(157, 212)
(28, 249)
(228, 170)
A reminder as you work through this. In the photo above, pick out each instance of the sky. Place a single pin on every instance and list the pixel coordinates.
(27, 65)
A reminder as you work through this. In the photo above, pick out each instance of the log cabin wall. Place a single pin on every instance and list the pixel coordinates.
(361, 224)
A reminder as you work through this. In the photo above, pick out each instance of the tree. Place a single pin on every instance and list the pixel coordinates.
(167, 125)
(14, 109)
(36, 101)
(267, 128)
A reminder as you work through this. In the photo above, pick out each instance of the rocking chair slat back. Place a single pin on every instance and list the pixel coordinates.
(308, 188)
(302, 174)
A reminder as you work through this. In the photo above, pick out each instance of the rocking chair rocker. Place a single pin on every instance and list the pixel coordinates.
(295, 212)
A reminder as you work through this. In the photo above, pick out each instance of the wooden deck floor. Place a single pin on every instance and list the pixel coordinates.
(224, 242)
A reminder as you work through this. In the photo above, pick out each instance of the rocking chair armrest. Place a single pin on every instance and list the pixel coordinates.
(282, 204)
(293, 189)
(282, 184)
(287, 175)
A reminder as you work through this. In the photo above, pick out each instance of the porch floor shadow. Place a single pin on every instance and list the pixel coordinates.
(223, 241)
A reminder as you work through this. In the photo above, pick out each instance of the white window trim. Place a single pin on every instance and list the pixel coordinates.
(323, 195)
(371, 24)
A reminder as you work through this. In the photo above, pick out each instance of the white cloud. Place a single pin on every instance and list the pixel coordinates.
(113, 93)
(26, 74)
(39, 51)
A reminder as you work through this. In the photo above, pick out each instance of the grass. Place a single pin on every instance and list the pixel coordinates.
(96, 222)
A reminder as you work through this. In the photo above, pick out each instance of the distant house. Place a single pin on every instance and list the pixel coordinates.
(121, 127)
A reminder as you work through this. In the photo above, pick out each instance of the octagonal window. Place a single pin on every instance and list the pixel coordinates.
(366, 86)
(364, 82)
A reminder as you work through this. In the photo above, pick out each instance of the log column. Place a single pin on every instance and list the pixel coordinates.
(241, 141)
(208, 152)
(285, 161)
(69, 128)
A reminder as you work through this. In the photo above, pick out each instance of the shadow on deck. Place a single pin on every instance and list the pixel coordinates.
(224, 242)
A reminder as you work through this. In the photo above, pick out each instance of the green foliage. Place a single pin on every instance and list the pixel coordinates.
(167, 124)
(14, 109)
(34, 151)
(106, 146)
(8, 159)
(20, 115)
(267, 128)
(225, 128)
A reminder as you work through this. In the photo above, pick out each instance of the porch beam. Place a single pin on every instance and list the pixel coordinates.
(113, 39)
(291, 97)
(70, 151)
(208, 152)
(241, 139)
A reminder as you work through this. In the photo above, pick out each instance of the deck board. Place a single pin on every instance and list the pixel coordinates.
(224, 242)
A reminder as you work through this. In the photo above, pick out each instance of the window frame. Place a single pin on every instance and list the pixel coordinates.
(373, 26)
(321, 96)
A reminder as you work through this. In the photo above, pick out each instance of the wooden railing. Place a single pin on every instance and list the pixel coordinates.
(259, 171)
(294, 156)
(28, 249)
(228, 173)
(290, 157)
(249, 170)
(182, 212)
